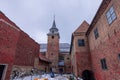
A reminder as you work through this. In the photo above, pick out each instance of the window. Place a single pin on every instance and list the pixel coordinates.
(61, 58)
(81, 42)
(52, 37)
(96, 33)
(119, 56)
(111, 16)
(51, 53)
(103, 64)
(69, 66)
(68, 58)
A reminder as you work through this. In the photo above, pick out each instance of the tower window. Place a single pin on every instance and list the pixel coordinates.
(52, 37)
(81, 42)
(68, 58)
(111, 16)
(103, 64)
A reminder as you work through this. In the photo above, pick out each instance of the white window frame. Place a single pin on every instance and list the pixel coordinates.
(111, 15)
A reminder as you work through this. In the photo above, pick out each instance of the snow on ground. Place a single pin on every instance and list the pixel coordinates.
(57, 77)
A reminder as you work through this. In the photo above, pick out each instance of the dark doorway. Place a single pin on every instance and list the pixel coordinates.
(61, 71)
(2, 67)
(88, 75)
(45, 69)
(50, 69)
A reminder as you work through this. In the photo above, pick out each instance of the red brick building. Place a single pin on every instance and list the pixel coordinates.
(7, 46)
(17, 49)
(80, 55)
(103, 43)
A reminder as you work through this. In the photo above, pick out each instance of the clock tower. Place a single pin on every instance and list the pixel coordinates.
(53, 47)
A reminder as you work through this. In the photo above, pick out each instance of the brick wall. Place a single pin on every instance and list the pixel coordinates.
(80, 55)
(8, 41)
(67, 60)
(27, 50)
(16, 47)
(107, 45)
(53, 51)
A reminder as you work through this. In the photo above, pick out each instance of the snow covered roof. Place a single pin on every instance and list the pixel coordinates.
(64, 48)
(43, 47)
(61, 63)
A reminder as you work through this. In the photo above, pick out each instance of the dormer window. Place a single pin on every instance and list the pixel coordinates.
(111, 16)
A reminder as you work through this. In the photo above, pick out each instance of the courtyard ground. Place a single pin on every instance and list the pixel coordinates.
(40, 77)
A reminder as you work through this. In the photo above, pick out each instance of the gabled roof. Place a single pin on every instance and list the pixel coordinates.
(82, 28)
(5, 18)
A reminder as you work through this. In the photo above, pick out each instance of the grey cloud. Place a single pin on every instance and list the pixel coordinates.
(35, 17)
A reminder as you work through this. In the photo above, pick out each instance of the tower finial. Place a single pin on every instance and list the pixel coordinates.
(53, 30)
(54, 17)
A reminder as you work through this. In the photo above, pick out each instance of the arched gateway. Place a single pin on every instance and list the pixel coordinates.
(88, 75)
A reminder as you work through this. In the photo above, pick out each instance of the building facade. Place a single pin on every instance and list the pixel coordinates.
(80, 54)
(7, 46)
(103, 43)
(103, 35)
(27, 52)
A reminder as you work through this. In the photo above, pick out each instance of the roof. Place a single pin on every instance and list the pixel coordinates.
(5, 18)
(82, 28)
(64, 47)
(100, 11)
(53, 30)
(43, 47)
(43, 58)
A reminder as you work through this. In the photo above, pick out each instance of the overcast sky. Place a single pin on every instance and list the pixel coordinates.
(35, 17)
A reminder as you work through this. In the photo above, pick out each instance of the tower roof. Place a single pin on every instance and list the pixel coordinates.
(53, 30)
(54, 24)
